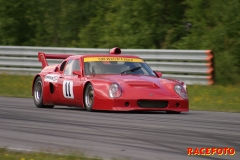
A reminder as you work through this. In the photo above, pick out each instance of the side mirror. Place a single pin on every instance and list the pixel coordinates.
(159, 74)
(79, 73)
(56, 69)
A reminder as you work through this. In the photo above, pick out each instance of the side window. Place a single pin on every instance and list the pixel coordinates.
(63, 65)
(68, 67)
(72, 65)
(76, 65)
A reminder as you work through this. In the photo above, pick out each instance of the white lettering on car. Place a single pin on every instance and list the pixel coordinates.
(51, 78)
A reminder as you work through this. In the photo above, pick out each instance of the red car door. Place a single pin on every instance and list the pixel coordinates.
(70, 86)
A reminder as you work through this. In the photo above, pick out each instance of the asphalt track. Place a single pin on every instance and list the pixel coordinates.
(134, 135)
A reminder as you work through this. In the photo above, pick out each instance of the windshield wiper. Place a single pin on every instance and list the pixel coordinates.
(131, 70)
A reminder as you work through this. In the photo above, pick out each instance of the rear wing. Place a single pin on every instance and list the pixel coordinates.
(43, 56)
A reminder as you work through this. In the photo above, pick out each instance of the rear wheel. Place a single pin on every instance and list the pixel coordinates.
(89, 97)
(38, 94)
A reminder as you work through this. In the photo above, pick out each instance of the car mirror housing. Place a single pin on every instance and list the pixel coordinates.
(158, 74)
(56, 69)
(79, 73)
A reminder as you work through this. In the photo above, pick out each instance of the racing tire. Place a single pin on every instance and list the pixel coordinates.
(173, 112)
(89, 97)
(38, 94)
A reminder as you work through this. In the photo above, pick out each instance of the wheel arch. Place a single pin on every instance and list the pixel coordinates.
(36, 76)
(101, 91)
(85, 85)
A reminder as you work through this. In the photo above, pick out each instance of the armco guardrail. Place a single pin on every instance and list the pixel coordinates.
(190, 66)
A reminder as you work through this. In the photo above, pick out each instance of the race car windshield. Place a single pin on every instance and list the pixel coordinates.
(118, 67)
(130, 70)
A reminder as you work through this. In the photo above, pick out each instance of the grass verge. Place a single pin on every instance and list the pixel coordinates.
(215, 98)
(15, 155)
(209, 98)
(16, 86)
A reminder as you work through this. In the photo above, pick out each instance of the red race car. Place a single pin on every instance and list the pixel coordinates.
(106, 82)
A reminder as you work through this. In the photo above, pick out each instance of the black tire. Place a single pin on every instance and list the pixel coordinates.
(172, 112)
(38, 94)
(89, 97)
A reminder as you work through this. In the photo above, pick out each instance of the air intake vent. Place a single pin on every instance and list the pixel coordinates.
(152, 103)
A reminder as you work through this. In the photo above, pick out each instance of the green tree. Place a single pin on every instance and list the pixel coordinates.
(134, 24)
(216, 27)
(15, 28)
(43, 22)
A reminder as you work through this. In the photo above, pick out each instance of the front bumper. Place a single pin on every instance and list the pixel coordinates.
(179, 105)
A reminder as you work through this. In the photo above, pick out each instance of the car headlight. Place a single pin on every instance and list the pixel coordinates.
(181, 91)
(115, 90)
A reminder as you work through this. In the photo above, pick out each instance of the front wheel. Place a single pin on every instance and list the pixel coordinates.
(89, 97)
(38, 94)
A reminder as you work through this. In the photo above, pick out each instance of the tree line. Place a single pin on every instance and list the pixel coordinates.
(141, 24)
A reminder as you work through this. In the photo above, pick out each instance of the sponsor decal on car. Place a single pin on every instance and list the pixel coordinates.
(51, 78)
(120, 59)
(210, 151)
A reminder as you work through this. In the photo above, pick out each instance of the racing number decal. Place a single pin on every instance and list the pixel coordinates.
(68, 89)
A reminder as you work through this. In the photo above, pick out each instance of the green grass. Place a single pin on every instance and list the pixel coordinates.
(210, 98)
(16, 86)
(215, 98)
(14, 155)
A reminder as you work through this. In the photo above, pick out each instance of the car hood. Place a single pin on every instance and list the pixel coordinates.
(133, 80)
